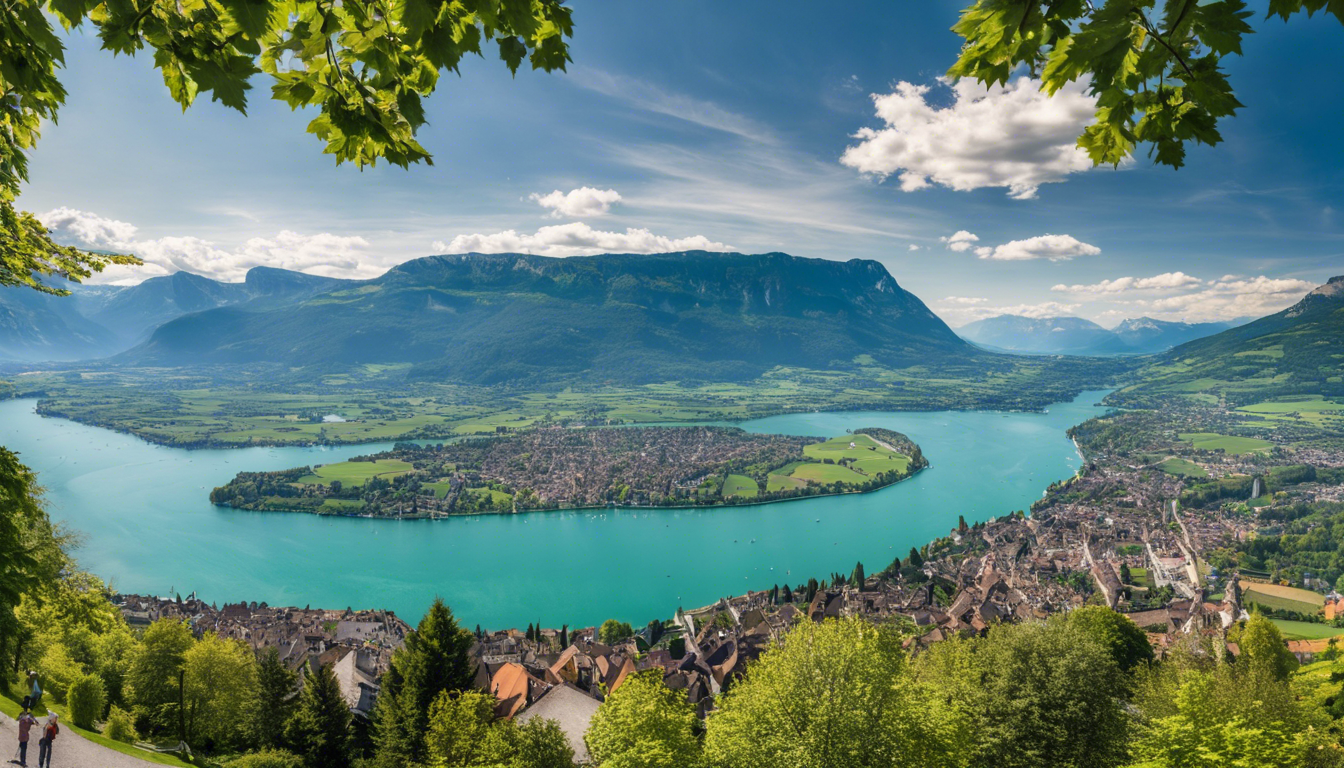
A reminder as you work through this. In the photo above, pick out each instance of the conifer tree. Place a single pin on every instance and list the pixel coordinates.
(788, 594)
(915, 560)
(564, 636)
(319, 732)
(858, 578)
(272, 708)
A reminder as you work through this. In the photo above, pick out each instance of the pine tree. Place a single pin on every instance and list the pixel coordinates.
(858, 577)
(564, 636)
(961, 523)
(272, 709)
(788, 594)
(915, 560)
(433, 659)
(529, 632)
(319, 732)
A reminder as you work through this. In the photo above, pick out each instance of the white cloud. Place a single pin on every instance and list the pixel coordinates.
(577, 203)
(912, 247)
(651, 98)
(1011, 136)
(960, 310)
(323, 253)
(576, 239)
(1052, 247)
(963, 300)
(1165, 282)
(959, 241)
(1228, 298)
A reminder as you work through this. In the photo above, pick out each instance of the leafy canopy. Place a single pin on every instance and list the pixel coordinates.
(1155, 69)
(366, 65)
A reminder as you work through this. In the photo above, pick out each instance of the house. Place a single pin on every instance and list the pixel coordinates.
(572, 709)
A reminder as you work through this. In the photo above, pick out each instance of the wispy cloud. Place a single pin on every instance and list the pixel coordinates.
(650, 97)
(576, 239)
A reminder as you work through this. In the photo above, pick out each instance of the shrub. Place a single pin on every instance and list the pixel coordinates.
(86, 698)
(120, 726)
(267, 758)
(57, 671)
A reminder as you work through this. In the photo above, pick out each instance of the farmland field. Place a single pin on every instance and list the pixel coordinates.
(356, 473)
(1212, 441)
(827, 473)
(497, 497)
(1280, 597)
(1305, 630)
(740, 485)
(343, 506)
(1141, 577)
(784, 483)
(1175, 466)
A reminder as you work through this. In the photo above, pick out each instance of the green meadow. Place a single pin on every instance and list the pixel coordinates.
(1178, 466)
(1212, 441)
(740, 486)
(1305, 630)
(356, 473)
(1282, 598)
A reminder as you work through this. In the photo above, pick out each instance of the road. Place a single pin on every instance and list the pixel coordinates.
(70, 750)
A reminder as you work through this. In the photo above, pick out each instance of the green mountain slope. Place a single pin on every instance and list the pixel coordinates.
(486, 319)
(1298, 351)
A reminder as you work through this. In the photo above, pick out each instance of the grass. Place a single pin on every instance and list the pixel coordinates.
(740, 485)
(9, 704)
(783, 483)
(440, 489)
(1141, 577)
(356, 473)
(1283, 598)
(1212, 441)
(341, 506)
(827, 473)
(497, 497)
(1305, 630)
(1177, 466)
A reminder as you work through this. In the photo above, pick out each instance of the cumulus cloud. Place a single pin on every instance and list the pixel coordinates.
(1011, 136)
(1229, 298)
(960, 310)
(576, 239)
(577, 203)
(959, 241)
(323, 253)
(912, 247)
(1052, 247)
(1165, 282)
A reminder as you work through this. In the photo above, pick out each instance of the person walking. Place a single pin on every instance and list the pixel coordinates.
(49, 732)
(26, 723)
(34, 694)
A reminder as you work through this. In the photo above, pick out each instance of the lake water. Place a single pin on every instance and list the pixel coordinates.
(150, 527)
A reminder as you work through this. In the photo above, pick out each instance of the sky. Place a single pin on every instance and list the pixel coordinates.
(816, 130)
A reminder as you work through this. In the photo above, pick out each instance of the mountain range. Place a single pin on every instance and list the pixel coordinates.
(485, 319)
(1076, 336)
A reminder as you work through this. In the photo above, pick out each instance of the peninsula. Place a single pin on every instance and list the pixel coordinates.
(574, 468)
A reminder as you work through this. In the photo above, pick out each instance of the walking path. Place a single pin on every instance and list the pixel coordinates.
(70, 750)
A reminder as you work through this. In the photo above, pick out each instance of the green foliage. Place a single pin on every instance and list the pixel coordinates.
(120, 726)
(319, 732)
(1263, 650)
(154, 669)
(1127, 643)
(219, 691)
(1037, 694)
(431, 661)
(267, 758)
(30, 552)
(1156, 70)
(644, 724)
(272, 706)
(541, 744)
(86, 699)
(613, 631)
(835, 694)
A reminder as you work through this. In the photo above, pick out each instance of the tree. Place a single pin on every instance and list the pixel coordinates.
(219, 690)
(459, 729)
(834, 694)
(613, 631)
(654, 630)
(30, 548)
(86, 699)
(155, 666)
(644, 724)
(1263, 649)
(1127, 643)
(857, 578)
(366, 65)
(541, 744)
(787, 597)
(1125, 576)
(272, 707)
(1039, 693)
(319, 732)
(433, 659)
(914, 560)
(1157, 81)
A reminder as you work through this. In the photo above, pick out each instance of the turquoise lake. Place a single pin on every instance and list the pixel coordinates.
(150, 528)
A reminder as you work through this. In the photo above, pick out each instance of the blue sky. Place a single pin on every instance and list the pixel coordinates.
(734, 125)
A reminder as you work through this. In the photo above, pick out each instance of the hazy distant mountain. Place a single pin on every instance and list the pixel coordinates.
(1045, 335)
(1146, 334)
(101, 320)
(631, 318)
(1076, 336)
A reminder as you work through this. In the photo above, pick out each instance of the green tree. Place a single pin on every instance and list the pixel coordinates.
(1038, 694)
(366, 65)
(319, 732)
(219, 691)
(154, 669)
(30, 548)
(834, 694)
(267, 758)
(644, 724)
(433, 659)
(613, 631)
(1263, 649)
(541, 744)
(86, 699)
(857, 577)
(915, 560)
(1156, 69)
(459, 730)
(1127, 643)
(272, 706)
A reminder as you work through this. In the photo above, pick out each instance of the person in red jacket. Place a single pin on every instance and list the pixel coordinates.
(49, 732)
(26, 723)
